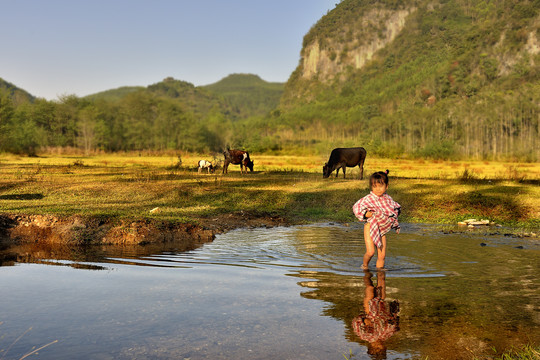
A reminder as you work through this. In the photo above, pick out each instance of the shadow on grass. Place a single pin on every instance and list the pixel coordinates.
(444, 200)
(22, 197)
(8, 186)
(481, 198)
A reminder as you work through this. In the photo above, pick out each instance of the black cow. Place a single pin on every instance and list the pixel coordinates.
(237, 157)
(342, 158)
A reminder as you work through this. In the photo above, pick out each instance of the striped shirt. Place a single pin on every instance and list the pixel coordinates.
(385, 212)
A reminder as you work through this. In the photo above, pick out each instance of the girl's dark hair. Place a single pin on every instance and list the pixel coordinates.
(379, 177)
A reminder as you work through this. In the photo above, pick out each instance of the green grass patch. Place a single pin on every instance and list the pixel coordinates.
(527, 352)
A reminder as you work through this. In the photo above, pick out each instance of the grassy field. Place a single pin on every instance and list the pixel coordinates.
(130, 185)
(528, 352)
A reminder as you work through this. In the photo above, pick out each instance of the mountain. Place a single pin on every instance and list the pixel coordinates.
(114, 94)
(17, 94)
(453, 76)
(248, 94)
(196, 99)
(236, 96)
(488, 39)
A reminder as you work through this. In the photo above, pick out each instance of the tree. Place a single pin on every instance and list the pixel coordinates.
(87, 129)
(6, 113)
(23, 134)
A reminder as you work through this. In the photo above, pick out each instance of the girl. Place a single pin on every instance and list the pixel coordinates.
(381, 213)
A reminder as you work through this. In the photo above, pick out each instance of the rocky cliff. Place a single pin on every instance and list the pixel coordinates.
(355, 44)
(494, 40)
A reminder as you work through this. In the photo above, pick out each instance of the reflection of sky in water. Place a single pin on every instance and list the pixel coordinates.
(230, 298)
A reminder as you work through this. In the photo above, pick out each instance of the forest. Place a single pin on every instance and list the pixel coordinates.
(169, 115)
(459, 81)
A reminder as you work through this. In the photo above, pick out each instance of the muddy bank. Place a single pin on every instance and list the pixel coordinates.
(78, 230)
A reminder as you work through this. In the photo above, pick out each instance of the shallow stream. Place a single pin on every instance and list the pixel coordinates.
(281, 293)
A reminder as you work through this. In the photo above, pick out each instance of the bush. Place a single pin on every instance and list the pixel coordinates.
(443, 150)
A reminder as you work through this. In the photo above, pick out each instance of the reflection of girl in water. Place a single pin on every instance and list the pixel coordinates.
(380, 320)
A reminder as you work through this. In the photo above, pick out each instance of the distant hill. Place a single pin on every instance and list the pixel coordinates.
(237, 96)
(198, 100)
(18, 94)
(248, 94)
(114, 94)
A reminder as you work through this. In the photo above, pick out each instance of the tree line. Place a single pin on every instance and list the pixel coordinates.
(496, 125)
(139, 121)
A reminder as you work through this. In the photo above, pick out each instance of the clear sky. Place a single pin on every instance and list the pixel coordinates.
(62, 47)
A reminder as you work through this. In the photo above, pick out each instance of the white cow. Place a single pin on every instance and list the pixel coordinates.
(205, 164)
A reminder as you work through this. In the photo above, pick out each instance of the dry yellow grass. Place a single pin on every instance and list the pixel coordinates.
(129, 185)
(406, 168)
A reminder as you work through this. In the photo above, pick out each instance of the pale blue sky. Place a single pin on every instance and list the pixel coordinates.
(60, 47)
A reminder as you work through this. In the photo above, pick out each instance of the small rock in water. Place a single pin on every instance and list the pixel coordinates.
(519, 247)
(478, 223)
(474, 222)
(483, 244)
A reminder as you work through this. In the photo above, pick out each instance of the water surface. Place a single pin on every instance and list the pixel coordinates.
(280, 293)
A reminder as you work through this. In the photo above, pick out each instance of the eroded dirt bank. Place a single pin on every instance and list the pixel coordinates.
(78, 230)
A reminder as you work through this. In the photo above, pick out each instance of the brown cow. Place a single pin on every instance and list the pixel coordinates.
(237, 157)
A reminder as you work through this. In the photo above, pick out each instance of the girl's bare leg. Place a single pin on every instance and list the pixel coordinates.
(381, 253)
(370, 247)
(381, 283)
(370, 290)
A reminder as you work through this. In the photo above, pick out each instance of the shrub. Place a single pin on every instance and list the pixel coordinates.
(443, 150)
